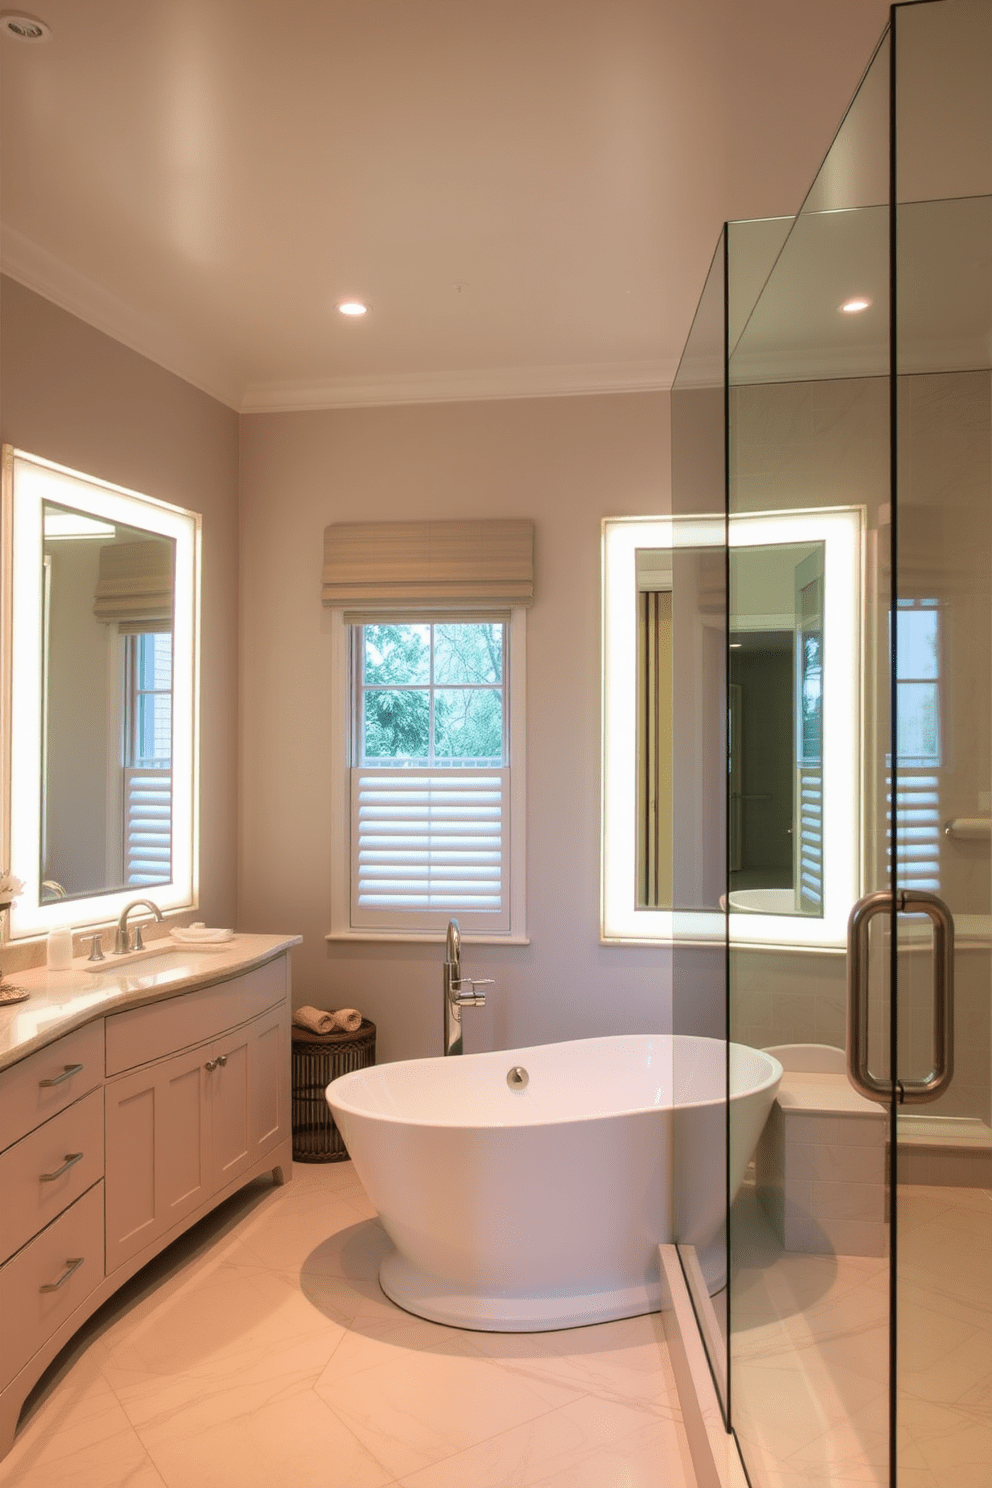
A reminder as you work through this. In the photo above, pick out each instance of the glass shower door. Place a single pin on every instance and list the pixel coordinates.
(810, 528)
(943, 744)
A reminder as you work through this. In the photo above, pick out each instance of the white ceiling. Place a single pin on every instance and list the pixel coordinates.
(527, 192)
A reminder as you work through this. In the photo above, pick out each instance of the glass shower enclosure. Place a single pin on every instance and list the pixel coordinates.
(832, 900)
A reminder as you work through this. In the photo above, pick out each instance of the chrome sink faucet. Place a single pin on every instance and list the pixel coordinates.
(454, 998)
(123, 942)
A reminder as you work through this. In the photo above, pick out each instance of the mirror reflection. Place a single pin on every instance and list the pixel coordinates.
(776, 729)
(106, 730)
(654, 727)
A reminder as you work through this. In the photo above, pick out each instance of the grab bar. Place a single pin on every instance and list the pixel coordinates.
(908, 1092)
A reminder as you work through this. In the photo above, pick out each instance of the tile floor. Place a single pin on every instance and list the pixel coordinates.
(810, 1352)
(259, 1350)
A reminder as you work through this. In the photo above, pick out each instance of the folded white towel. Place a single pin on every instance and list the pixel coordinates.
(200, 935)
(314, 1019)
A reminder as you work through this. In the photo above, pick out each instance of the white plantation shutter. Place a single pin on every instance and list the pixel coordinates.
(432, 844)
(811, 838)
(147, 826)
(917, 829)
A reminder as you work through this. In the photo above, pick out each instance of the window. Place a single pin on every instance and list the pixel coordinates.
(147, 758)
(435, 780)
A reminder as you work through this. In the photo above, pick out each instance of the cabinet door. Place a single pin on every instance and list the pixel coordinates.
(158, 1151)
(268, 1081)
(227, 1091)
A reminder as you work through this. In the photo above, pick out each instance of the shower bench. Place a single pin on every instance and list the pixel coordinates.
(820, 1163)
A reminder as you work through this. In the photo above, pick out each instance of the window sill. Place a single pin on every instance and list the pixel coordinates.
(426, 937)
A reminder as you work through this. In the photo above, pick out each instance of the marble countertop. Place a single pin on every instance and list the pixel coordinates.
(63, 1000)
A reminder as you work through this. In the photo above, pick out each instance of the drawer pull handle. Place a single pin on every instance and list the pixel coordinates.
(211, 1064)
(71, 1159)
(70, 1267)
(222, 1060)
(67, 1074)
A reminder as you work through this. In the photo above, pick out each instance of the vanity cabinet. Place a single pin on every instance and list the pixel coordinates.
(118, 1135)
(51, 1193)
(182, 1128)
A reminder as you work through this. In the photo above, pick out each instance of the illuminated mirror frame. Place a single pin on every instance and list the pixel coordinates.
(841, 530)
(28, 482)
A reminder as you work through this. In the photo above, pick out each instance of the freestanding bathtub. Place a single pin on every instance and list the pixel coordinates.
(517, 1209)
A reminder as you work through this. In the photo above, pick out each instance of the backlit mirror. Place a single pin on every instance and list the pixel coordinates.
(101, 595)
(794, 726)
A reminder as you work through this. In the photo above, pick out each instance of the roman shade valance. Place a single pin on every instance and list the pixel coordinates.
(463, 565)
(135, 586)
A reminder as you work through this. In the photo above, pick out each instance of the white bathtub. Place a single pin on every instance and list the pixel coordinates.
(518, 1210)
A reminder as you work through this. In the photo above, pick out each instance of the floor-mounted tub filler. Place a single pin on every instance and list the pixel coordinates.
(529, 1189)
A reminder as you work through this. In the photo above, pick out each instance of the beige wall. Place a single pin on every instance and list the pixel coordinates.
(73, 395)
(565, 462)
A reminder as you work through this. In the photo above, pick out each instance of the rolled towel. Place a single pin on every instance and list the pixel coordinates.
(347, 1020)
(315, 1020)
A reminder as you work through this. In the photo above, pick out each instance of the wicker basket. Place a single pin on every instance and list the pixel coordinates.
(318, 1058)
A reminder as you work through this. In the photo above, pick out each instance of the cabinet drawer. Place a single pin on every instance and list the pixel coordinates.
(163, 1028)
(68, 1258)
(72, 1142)
(45, 1083)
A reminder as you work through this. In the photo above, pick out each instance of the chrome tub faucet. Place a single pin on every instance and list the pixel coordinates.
(454, 997)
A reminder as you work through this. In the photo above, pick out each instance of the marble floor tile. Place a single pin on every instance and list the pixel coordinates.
(229, 1317)
(79, 1436)
(626, 1361)
(589, 1444)
(810, 1334)
(282, 1238)
(417, 1409)
(260, 1352)
(294, 1441)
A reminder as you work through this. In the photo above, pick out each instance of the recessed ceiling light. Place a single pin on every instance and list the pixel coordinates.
(353, 307)
(24, 27)
(854, 307)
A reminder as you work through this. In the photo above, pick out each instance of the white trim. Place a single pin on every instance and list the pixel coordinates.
(459, 386)
(168, 347)
(433, 937)
(47, 275)
(37, 481)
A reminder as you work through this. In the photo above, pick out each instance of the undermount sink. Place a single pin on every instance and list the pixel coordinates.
(166, 957)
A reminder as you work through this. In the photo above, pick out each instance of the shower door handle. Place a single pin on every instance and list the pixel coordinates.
(942, 1069)
(858, 1072)
(918, 1092)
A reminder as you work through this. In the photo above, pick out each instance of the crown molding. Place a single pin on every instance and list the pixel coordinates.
(51, 277)
(47, 275)
(486, 384)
